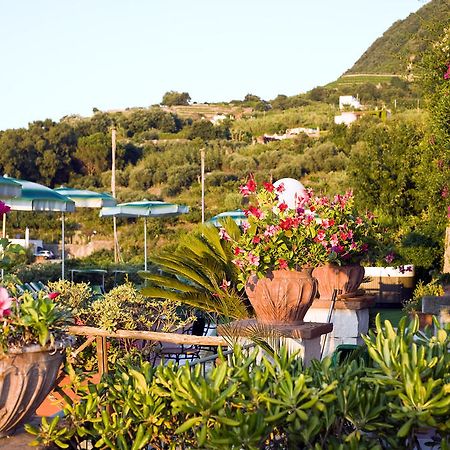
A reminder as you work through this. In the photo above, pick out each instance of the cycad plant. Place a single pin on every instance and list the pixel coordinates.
(200, 273)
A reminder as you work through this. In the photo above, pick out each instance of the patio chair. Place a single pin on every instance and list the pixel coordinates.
(182, 352)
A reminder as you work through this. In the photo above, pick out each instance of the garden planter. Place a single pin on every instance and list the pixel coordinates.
(26, 378)
(425, 319)
(282, 297)
(346, 279)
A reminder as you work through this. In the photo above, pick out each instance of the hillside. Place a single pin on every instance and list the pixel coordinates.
(393, 52)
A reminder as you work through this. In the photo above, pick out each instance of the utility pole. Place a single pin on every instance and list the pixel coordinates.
(202, 160)
(113, 190)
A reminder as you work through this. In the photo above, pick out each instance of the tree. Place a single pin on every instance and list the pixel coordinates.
(174, 98)
(94, 153)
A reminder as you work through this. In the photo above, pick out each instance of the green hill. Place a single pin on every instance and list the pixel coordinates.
(400, 45)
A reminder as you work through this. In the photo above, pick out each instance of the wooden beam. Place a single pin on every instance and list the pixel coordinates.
(174, 338)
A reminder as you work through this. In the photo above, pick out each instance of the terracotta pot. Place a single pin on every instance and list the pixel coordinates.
(282, 297)
(425, 319)
(25, 380)
(347, 279)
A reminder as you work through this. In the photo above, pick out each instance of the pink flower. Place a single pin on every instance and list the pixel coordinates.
(334, 240)
(280, 188)
(5, 302)
(444, 192)
(389, 257)
(282, 263)
(245, 191)
(238, 263)
(253, 259)
(53, 295)
(225, 285)
(271, 230)
(224, 235)
(245, 226)
(4, 208)
(447, 73)
(320, 235)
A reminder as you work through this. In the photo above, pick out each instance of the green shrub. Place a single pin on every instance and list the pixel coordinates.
(254, 402)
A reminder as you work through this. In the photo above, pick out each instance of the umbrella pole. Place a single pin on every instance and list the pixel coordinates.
(145, 244)
(62, 246)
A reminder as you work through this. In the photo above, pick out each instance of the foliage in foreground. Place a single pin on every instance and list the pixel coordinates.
(122, 308)
(250, 403)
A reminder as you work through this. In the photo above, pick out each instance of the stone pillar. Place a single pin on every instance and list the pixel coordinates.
(350, 319)
(447, 251)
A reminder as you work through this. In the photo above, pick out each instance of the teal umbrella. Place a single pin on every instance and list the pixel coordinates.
(36, 197)
(87, 199)
(9, 188)
(238, 216)
(145, 209)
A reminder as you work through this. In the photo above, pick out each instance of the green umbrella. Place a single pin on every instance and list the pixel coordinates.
(87, 199)
(238, 216)
(9, 188)
(144, 208)
(36, 197)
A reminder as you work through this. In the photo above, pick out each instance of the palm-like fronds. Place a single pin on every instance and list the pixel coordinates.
(197, 273)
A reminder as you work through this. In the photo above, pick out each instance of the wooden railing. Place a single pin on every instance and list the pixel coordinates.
(100, 336)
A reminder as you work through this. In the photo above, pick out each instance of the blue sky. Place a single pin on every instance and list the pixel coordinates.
(63, 57)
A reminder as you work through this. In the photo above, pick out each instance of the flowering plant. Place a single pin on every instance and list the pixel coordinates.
(316, 231)
(28, 320)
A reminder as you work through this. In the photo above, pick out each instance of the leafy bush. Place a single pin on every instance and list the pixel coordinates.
(254, 402)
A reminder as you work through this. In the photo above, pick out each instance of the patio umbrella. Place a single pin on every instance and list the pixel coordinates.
(9, 188)
(36, 197)
(238, 216)
(87, 199)
(145, 209)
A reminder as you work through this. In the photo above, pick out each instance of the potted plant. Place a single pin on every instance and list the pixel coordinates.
(275, 253)
(414, 306)
(32, 343)
(346, 236)
(278, 242)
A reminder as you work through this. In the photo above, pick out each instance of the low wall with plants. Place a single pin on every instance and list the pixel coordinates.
(382, 399)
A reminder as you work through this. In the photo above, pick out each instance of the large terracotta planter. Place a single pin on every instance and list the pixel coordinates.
(282, 297)
(346, 279)
(25, 380)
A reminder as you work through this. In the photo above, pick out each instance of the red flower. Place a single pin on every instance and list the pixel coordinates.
(256, 240)
(53, 295)
(280, 188)
(269, 187)
(282, 263)
(255, 212)
(282, 207)
(251, 184)
(237, 251)
(286, 224)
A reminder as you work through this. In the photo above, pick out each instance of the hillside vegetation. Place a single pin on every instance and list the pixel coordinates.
(398, 49)
(397, 167)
